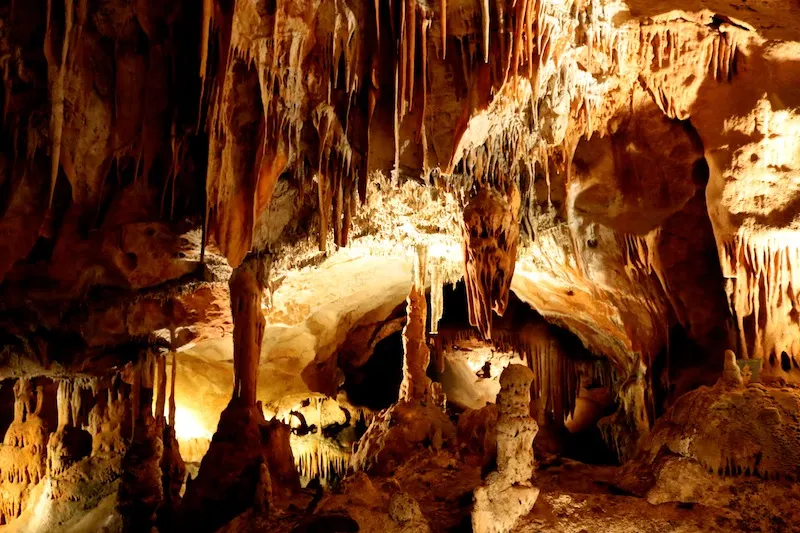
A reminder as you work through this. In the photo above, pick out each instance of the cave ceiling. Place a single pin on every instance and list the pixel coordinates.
(624, 167)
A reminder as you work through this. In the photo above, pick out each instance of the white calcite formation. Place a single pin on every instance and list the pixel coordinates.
(507, 494)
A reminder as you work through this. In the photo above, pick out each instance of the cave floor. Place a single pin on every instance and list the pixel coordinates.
(579, 498)
(575, 498)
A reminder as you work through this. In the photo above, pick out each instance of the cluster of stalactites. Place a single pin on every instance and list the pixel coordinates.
(318, 451)
(69, 401)
(335, 186)
(557, 377)
(291, 107)
(642, 260)
(491, 233)
(676, 51)
(318, 457)
(762, 277)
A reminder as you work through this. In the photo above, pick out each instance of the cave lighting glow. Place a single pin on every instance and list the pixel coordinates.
(188, 425)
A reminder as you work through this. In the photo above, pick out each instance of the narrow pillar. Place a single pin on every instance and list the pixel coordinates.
(161, 391)
(416, 355)
(246, 287)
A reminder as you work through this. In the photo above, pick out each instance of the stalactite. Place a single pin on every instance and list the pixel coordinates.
(490, 231)
(161, 391)
(426, 24)
(443, 16)
(486, 23)
(63, 395)
(174, 375)
(56, 74)
(396, 124)
(205, 32)
(377, 8)
(411, 36)
(75, 404)
(437, 294)
(136, 395)
(522, 9)
(403, 48)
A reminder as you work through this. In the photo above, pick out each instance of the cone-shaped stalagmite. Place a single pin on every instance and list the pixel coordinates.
(228, 480)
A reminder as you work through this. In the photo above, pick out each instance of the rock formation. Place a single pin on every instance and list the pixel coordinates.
(417, 420)
(416, 385)
(247, 289)
(23, 455)
(731, 373)
(70, 442)
(602, 191)
(491, 235)
(229, 479)
(507, 494)
(141, 491)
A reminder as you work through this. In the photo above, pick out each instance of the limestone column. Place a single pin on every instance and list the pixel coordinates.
(246, 287)
(416, 355)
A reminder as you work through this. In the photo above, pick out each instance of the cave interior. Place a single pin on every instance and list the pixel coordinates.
(420, 266)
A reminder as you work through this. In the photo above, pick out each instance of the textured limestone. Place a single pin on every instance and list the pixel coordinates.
(507, 495)
(726, 430)
(491, 234)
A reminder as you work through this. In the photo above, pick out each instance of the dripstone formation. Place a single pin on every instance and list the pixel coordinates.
(347, 265)
(508, 494)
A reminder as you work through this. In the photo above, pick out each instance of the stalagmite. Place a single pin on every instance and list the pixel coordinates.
(23, 453)
(731, 374)
(416, 385)
(264, 497)
(507, 495)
